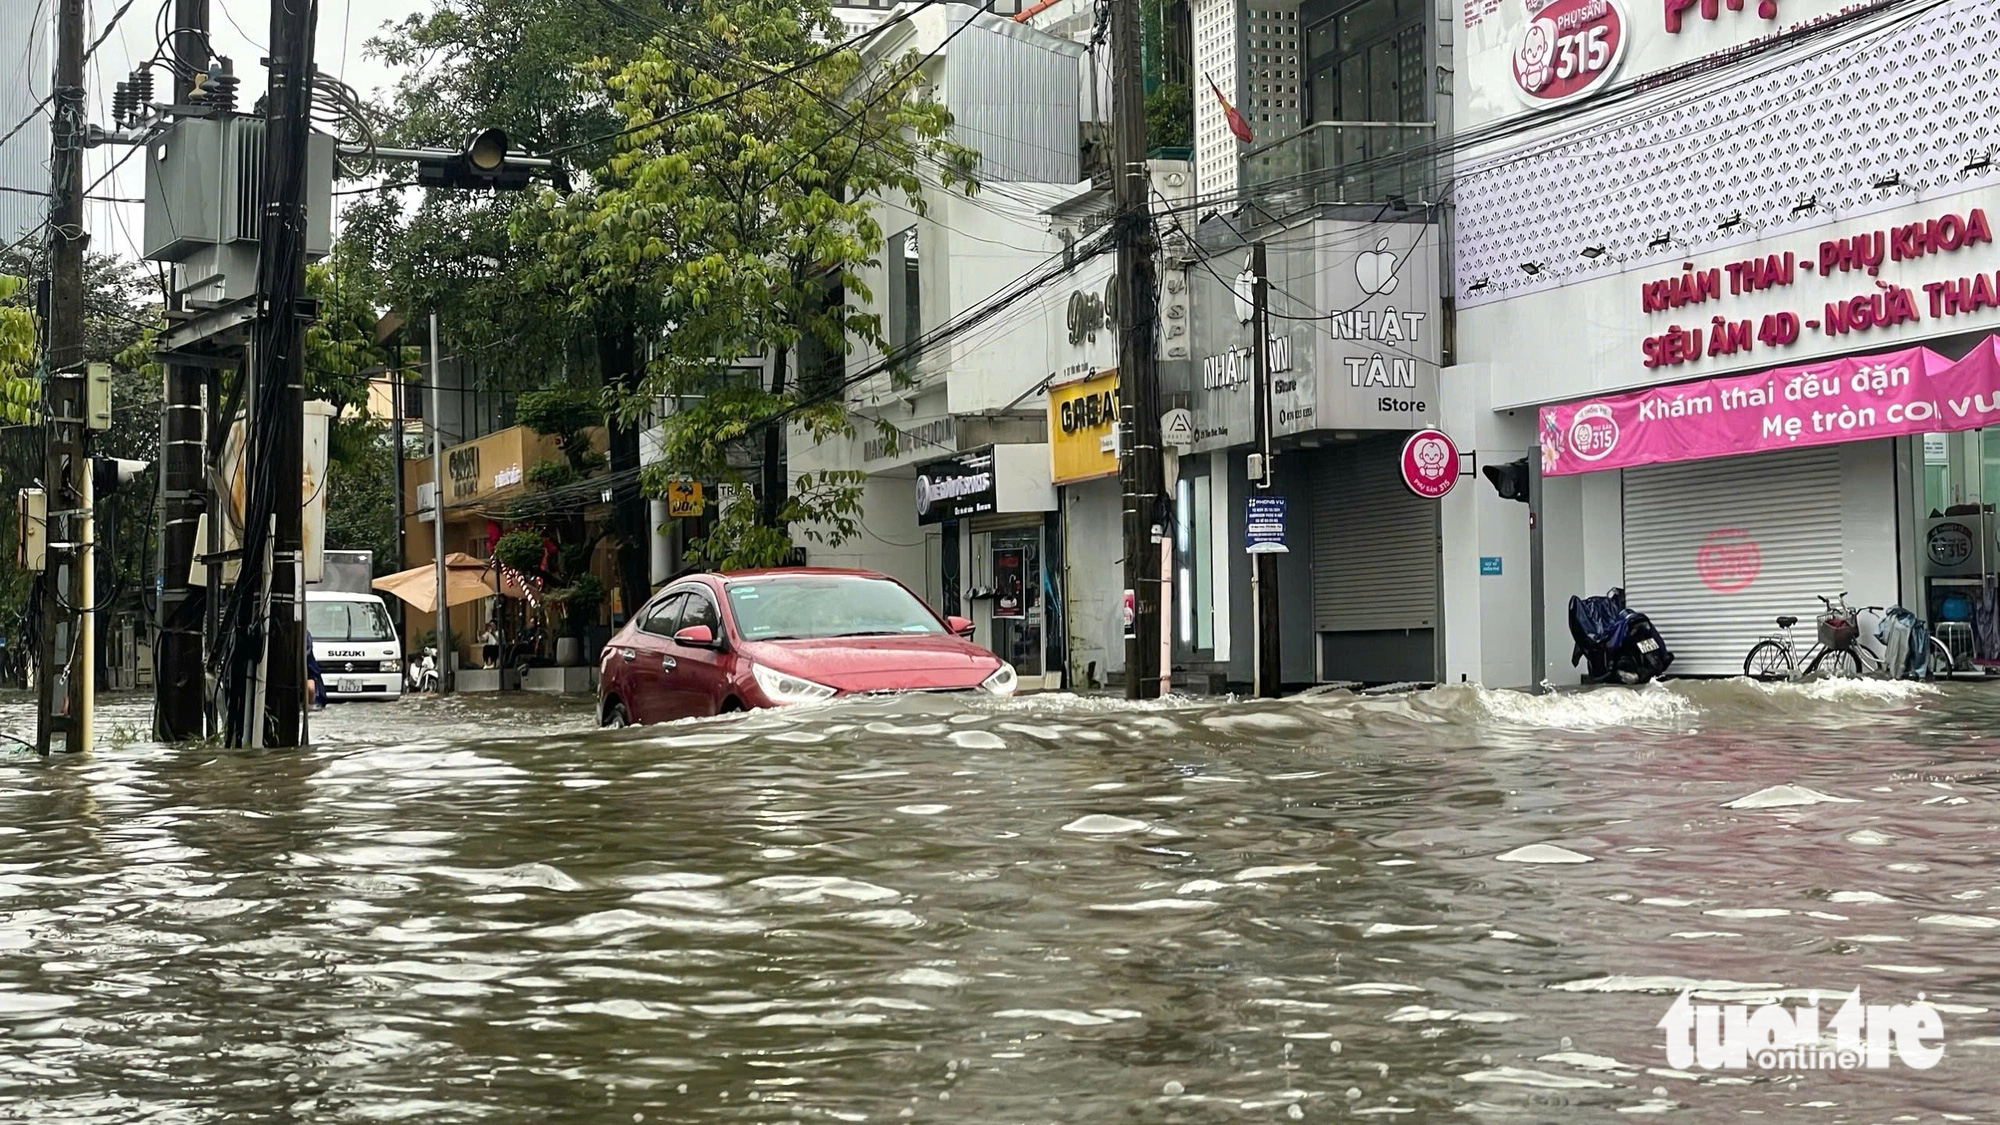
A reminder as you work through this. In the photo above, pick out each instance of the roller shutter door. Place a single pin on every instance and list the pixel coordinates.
(1375, 543)
(1716, 550)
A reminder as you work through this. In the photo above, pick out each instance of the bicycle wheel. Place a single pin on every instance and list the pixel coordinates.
(1942, 664)
(1768, 660)
(1837, 663)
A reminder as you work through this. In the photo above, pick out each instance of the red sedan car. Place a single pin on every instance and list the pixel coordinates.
(710, 643)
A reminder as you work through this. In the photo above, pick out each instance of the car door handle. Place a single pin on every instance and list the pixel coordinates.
(627, 653)
(668, 663)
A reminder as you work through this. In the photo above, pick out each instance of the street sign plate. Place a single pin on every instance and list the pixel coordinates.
(1264, 526)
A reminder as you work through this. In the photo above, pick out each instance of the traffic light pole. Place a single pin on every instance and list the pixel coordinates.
(178, 679)
(447, 675)
(63, 715)
(1140, 468)
(1267, 665)
(1538, 633)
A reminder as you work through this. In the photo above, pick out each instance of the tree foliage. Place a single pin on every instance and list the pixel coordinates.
(744, 216)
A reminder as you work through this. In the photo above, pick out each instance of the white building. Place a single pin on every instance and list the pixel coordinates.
(1698, 222)
(976, 405)
(27, 29)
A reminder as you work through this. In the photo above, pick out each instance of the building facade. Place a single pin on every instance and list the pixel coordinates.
(28, 31)
(1728, 282)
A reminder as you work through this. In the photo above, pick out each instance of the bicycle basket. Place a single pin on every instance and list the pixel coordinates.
(1837, 630)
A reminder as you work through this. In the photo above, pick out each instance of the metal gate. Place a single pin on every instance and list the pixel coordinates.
(1716, 550)
(1374, 542)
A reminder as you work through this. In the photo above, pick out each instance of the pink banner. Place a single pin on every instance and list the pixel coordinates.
(1913, 391)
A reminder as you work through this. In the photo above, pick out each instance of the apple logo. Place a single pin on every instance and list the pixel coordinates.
(1245, 291)
(1376, 270)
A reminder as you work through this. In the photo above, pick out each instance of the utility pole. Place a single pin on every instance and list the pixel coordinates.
(1267, 670)
(178, 676)
(446, 677)
(65, 658)
(276, 440)
(1138, 358)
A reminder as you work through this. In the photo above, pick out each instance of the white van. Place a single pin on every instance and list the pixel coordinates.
(355, 645)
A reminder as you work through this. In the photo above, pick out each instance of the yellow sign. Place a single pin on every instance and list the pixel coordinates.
(1083, 429)
(683, 498)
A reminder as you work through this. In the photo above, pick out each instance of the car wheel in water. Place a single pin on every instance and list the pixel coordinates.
(615, 716)
(1768, 661)
(1835, 663)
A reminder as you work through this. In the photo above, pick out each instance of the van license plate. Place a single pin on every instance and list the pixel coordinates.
(1649, 645)
(349, 687)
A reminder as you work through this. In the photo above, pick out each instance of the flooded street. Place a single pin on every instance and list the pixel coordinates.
(1456, 905)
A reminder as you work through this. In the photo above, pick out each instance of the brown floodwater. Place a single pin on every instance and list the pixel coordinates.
(1051, 909)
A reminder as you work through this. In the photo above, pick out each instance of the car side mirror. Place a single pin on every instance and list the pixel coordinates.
(697, 636)
(960, 626)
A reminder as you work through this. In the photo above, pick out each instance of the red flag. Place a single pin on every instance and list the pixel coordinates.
(1237, 125)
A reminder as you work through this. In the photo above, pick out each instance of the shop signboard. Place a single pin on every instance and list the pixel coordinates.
(1354, 334)
(1893, 394)
(684, 498)
(1522, 55)
(956, 487)
(1430, 464)
(1264, 526)
(1489, 566)
(1083, 428)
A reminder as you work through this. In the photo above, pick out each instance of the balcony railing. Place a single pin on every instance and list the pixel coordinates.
(1347, 162)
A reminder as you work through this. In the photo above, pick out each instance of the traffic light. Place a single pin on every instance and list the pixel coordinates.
(481, 164)
(1509, 480)
(109, 474)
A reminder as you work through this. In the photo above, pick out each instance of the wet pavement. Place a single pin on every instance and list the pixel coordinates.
(1453, 905)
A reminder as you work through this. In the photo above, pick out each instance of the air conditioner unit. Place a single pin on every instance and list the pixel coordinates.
(205, 205)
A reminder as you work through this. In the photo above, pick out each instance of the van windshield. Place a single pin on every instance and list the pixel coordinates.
(348, 621)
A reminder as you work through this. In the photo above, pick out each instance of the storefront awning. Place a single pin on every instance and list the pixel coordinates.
(1894, 394)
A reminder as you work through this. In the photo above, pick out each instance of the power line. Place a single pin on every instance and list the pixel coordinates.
(739, 91)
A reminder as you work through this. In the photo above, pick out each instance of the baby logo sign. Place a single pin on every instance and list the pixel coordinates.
(1430, 463)
(1568, 49)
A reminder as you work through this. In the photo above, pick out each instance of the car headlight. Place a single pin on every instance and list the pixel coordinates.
(392, 665)
(1003, 681)
(783, 687)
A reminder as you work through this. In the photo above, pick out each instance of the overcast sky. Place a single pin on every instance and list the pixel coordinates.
(242, 31)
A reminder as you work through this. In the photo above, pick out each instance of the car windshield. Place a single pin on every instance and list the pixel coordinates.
(348, 621)
(827, 605)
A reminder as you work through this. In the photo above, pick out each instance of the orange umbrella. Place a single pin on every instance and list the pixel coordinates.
(466, 580)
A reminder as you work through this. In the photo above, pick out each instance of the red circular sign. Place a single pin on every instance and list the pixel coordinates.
(1569, 49)
(1430, 463)
(1593, 432)
(1728, 560)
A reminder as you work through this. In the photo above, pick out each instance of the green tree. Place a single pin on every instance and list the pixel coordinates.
(743, 215)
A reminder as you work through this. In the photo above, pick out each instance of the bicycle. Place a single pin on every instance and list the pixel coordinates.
(1837, 652)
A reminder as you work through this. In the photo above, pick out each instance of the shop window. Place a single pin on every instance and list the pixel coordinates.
(905, 321)
(1365, 62)
(1193, 579)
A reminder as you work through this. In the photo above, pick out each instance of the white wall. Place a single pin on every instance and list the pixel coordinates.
(1868, 524)
(1093, 527)
(890, 539)
(1486, 617)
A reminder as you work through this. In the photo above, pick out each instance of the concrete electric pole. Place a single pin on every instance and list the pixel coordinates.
(1138, 359)
(1266, 662)
(64, 659)
(272, 713)
(178, 678)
